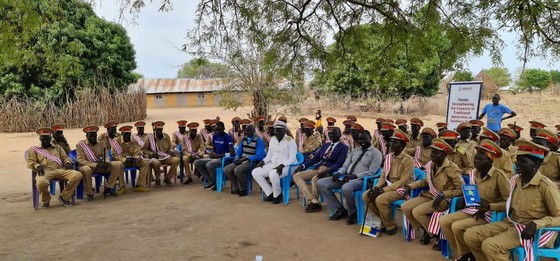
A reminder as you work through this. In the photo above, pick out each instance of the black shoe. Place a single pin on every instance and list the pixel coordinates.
(425, 238)
(168, 182)
(277, 200)
(390, 231)
(235, 191)
(340, 213)
(242, 193)
(383, 230)
(437, 246)
(269, 197)
(214, 188)
(352, 219)
(188, 181)
(65, 202)
(158, 183)
(313, 207)
(89, 198)
(466, 257)
(292, 184)
(209, 186)
(46, 205)
(109, 193)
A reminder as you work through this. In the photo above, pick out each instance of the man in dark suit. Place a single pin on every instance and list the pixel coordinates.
(328, 159)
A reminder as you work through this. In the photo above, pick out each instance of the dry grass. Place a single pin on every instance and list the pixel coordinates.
(89, 108)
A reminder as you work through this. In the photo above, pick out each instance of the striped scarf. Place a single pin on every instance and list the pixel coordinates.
(90, 155)
(180, 137)
(47, 155)
(301, 139)
(383, 146)
(115, 145)
(153, 145)
(527, 244)
(138, 140)
(417, 155)
(434, 226)
(207, 136)
(188, 144)
(472, 210)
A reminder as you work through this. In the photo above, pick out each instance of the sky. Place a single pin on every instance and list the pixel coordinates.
(158, 36)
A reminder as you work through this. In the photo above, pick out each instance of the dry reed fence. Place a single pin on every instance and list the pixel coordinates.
(89, 108)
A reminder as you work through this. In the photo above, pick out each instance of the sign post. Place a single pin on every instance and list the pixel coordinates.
(463, 103)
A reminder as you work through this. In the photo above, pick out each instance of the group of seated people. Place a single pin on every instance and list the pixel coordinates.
(513, 175)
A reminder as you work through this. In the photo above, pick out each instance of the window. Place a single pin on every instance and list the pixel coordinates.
(201, 95)
(159, 96)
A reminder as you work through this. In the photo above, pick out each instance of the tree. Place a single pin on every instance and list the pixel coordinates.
(202, 69)
(66, 48)
(534, 79)
(463, 76)
(555, 77)
(500, 76)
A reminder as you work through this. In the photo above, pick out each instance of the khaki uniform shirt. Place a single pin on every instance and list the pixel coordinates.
(311, 143)
(468, 145)
(377, 144)
(446, 179)
(551, 167)
(176, 140)
(463, 158)
(65, 147)
(537, 201)
(401, 173)
(97, 149)
(163, 145)
(129, 149)
(197, 146)
(494, 188)
(425, 154)
(348, 140)
(103, 137)
(413, 143)
(512, 150)
(144, 138)
(504, 163)
(35, 160)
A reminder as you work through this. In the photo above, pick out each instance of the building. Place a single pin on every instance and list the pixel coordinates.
(172, 93)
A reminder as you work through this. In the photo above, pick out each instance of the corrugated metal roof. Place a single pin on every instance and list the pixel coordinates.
(153, 86)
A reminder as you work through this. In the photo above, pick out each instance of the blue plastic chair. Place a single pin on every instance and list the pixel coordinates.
(358, 196)
(220, 177)
(285, 181)
(96, 176)
(179, 149)
(418, 175)
(444, 244)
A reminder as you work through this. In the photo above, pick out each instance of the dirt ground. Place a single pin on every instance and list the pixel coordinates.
(189, 223)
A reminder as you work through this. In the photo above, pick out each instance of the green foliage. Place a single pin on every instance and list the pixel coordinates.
(463, 76)
(500, 76)
(534, 79)
(555, 76)
(55, 47)
(202, 69)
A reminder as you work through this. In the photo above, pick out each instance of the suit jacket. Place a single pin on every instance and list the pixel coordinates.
(334, 161)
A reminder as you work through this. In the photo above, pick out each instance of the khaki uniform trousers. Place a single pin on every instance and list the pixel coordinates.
(115, 169)
(454, 226)
(187, 166)
(144, 166)
(381, 207)
(418, 209)
(172, 161)
(302, 177)
(73, 178)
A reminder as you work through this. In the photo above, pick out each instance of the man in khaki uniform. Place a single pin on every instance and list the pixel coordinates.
(356, 129)
(59, 139)
(236, 132)
(299, 131)
(131, 156)
(517, 129)
(507, 136)
(550, 167)
(503, 162)
(140, 137)
(178, 137)
(51, 162)
(422, 153)
(401, 124)
(460, 156)
(493, 188)
(193, 150)
(330, 124)
(441, 126)
(92, 158)
(377, 132)
(206, 134)
(311, 140)
(398, 171)
(533, 203)
(535, 125)
(464, 129)
(476, 126)
(110, 141)
(382, 144)
(415, 139)
(444, 180)
(159, 150)
(346, 137)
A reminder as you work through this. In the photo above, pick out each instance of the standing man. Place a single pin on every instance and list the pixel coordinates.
(415, 127)
(222, 145)
(193, 150)
(92, 158)
(311, 142)
(59, 139)
(281, 153)
(329, 159)
(51, 162)
(398, 171)
(361, 162)
(319, 119)
(250, 151)
(179, 136)
(159, 150)
(533, 203)
(444, 180)
(496, 112)
(131, 156)
(421, 154)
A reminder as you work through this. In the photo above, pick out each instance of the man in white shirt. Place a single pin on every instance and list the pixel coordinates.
(282, 152)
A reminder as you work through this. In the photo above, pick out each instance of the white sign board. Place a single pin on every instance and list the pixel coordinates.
(463, 102)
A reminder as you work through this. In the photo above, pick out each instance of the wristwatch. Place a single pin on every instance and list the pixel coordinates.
(441, 195)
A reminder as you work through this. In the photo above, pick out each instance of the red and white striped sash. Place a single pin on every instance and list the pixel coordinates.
(417, 155)
(138, 140)
(266, 137)
(47, 155)
(188, 144)
(301, 139)
(115, 145)
(206, 135)
(326, 134)
(434, 226)
(527, 244)
(471, 211)
(377, 135)
(383, 147)
(90, 155)
(153, 145)
(387, 167)
(180, 137)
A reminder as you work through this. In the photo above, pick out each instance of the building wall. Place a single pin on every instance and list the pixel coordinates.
(174, 100)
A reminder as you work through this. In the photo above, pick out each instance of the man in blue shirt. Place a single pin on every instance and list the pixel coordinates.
(495, 113)
(222, 144)
(250, 151)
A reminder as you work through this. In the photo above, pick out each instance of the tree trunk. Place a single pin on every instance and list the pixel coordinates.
(260, 105)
